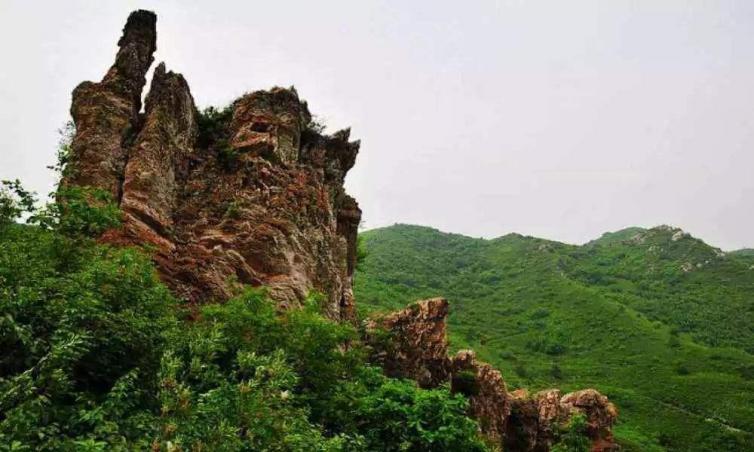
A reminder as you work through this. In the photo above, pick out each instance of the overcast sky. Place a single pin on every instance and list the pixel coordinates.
(558, 119)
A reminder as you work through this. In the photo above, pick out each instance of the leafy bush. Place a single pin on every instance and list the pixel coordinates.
(213, 125)
(573, 437)
(80, 340)
(14, 201)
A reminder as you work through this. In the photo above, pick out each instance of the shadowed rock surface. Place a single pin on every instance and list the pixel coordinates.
(259, 201)
(534, 421)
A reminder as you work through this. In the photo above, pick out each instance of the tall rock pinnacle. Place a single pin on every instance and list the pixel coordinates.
(106, 113)
(251, 196)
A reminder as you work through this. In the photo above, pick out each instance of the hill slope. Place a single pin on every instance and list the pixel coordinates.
(658, 320)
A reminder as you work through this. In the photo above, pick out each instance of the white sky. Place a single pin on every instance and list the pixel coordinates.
(550, 118)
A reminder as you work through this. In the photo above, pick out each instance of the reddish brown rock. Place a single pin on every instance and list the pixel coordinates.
(258, 201)
(157, 161)
(106, 114)
(269, 124)
(487, 393)
(412, 343)
(535, 422)
(248, 212)
(600, 416)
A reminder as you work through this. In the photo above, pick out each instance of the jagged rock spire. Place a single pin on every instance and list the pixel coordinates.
(106, 113)
(137, 46)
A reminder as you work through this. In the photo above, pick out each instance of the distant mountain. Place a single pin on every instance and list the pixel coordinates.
(658, 320)
(745, 255)
(618, 236)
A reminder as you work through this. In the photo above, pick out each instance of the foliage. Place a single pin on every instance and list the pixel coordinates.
(573, 438)
(80, 337)
(96, 354)
(393, 415)
(671, 348)
(361, 252)
(14, 201)
(213, 125)
(63, 153)
(80, 212)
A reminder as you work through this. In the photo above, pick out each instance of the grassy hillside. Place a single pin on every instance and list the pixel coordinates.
(745, 255)
(659, 321)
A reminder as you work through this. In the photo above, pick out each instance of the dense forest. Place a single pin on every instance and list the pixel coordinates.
(657, 320)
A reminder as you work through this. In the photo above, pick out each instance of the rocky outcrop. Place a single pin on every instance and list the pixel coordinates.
(600, 416)
(412, 343)
(485, 388)
(253, 195)
(535, 421)
(157, 160)
(107, 113)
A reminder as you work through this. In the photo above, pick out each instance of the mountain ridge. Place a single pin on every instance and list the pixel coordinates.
(618, 235)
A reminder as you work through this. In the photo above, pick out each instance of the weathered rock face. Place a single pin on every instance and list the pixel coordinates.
(536, 420)
(257, 200)
(600, 416)
(412, 343)
(487, 393)
(107, 113)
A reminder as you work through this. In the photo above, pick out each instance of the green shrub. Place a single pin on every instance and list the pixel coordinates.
(573, 437)
(80, 340)
(213, 125)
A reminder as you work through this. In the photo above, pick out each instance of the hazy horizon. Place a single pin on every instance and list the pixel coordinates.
(560, 120)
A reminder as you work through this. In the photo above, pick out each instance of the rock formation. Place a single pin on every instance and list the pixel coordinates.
(412, 343)
(252, 195)
(534, 420)
(485, 388)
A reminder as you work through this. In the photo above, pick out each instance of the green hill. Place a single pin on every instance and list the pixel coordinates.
(656, 319)
(618, 236)
(745, 255)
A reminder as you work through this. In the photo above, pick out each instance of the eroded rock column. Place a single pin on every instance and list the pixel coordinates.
(106, 114)
(157, 161)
